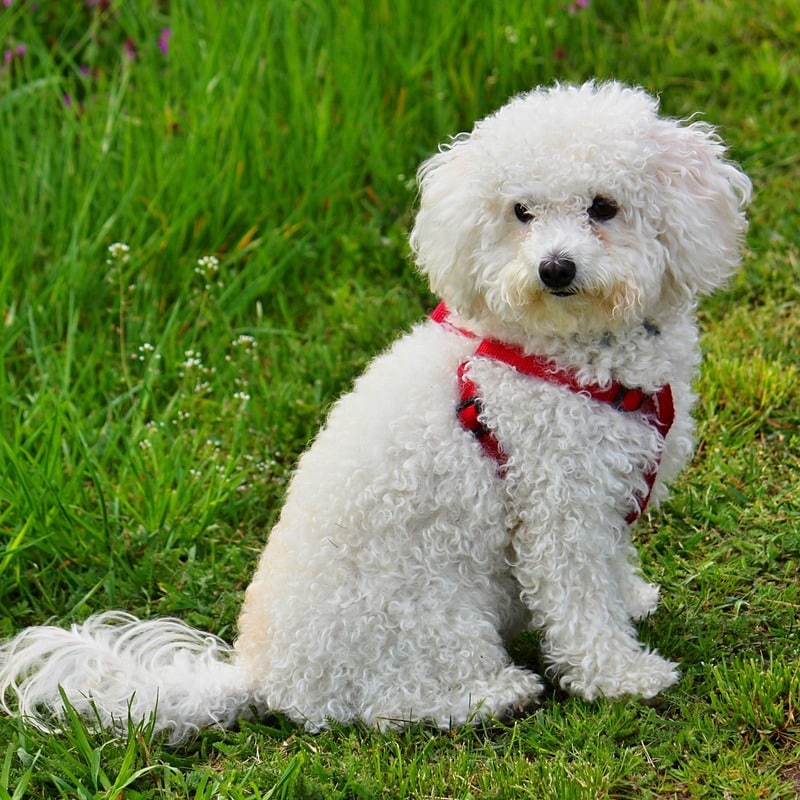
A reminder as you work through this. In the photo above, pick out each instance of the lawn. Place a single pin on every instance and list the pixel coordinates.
(203, 240)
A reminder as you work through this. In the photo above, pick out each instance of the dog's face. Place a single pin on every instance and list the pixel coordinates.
(578, 209)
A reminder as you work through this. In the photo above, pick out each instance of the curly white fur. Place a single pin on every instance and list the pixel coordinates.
(402, 562)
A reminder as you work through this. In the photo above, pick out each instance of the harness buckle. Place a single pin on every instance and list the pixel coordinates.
(469, 411)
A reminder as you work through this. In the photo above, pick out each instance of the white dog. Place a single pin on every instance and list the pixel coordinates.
(482, 476)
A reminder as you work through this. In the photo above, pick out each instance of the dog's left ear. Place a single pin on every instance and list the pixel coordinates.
(702, 202)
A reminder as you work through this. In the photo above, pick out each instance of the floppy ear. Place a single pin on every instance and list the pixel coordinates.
(446, 230)
(702, 200)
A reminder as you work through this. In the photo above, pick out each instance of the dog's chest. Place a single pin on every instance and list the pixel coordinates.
(556, 439)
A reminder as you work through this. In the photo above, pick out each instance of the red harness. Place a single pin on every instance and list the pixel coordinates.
(657, 408)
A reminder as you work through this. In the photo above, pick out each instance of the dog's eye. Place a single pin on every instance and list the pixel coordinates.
(522, 213)
(602, 210)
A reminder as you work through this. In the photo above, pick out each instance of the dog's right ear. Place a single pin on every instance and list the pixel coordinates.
(446, 232)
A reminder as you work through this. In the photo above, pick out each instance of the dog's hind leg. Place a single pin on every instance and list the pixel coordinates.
(457, 675)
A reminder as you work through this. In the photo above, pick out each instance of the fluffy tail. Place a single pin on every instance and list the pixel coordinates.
(114, 666)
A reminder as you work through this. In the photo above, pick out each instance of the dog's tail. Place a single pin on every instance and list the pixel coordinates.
(114, 667)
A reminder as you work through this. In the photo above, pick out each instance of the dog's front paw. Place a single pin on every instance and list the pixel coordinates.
(643, 674)
(510, 694)
(649, 675)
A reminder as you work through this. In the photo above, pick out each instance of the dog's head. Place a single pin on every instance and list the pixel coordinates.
(577, 208)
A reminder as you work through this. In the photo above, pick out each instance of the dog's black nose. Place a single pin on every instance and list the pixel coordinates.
(557, 272)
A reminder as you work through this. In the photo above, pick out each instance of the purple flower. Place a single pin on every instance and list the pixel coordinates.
(11, 53)
(163, 40)
(130, 49)
(577, 5)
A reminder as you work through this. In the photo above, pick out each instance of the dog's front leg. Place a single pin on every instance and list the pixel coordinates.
(570, 584)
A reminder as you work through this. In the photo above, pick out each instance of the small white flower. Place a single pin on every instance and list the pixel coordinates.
(244, 341)
(119, 252)
(208, 268)
(409, 183)
(192, 360)
(206, 265)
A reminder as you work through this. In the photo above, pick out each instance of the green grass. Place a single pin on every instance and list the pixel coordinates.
(282, 138)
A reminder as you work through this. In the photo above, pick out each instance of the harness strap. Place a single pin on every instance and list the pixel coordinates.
(657, 408)
(469, 411)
